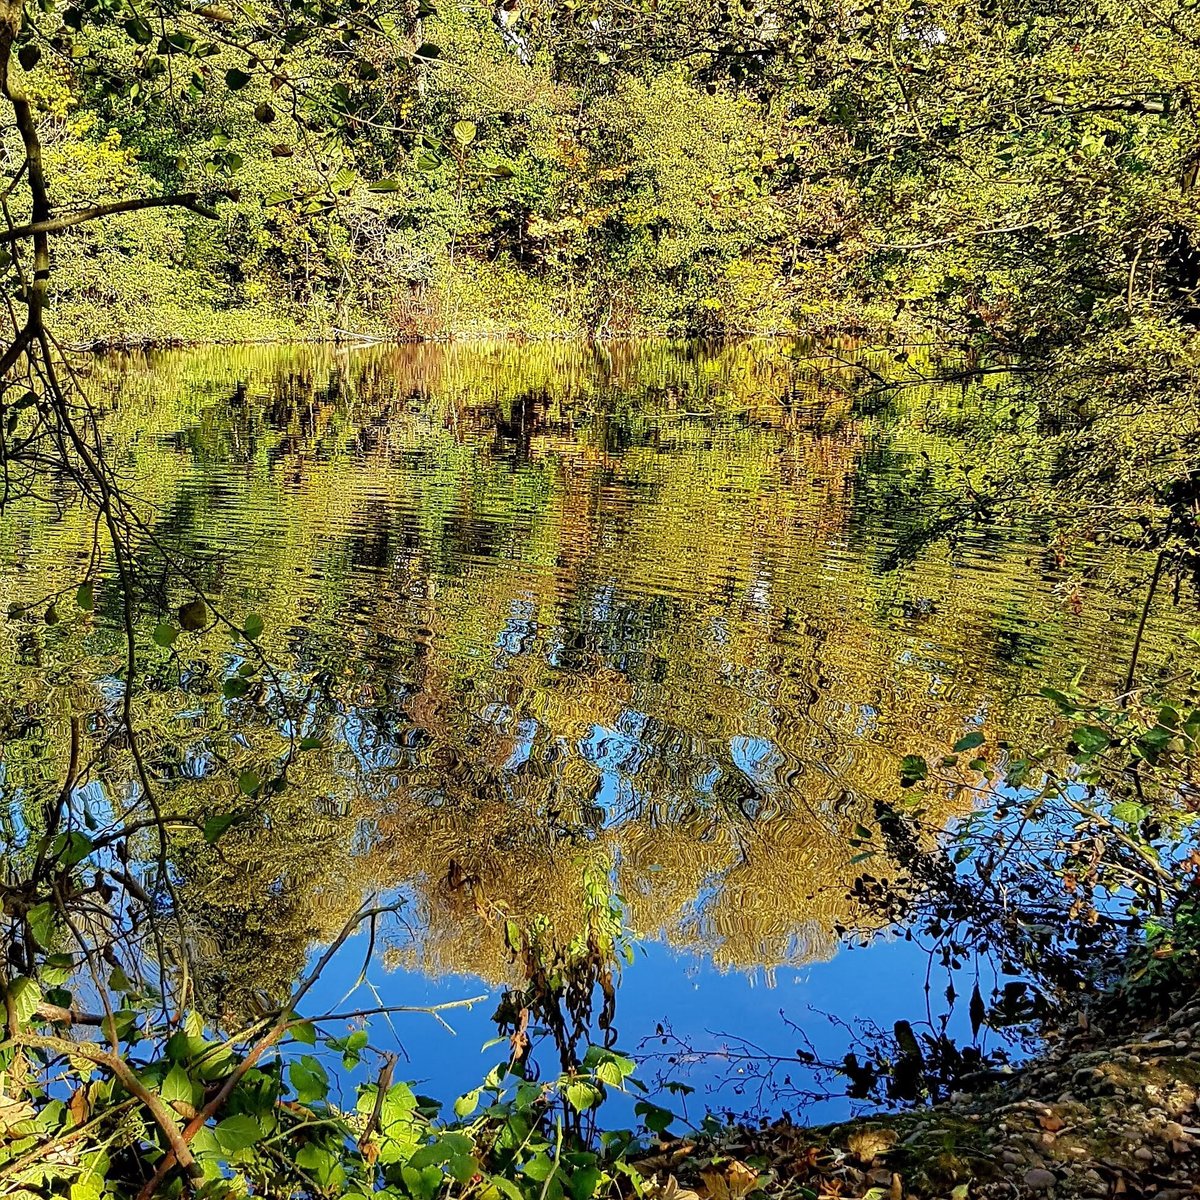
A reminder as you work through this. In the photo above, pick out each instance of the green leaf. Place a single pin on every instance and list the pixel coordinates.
(215, 826)
(913, 769)
(304, 1032)
(506, 1187)
(540, 1167)
(462, 1167)
(72, 848)
(1129, 812)
(40, 919)
(969, 741)
(310, 743)
(308, 1079)
(384, 185)
(254, 626)
(610, 1073)
(465, 1105)
(1065, 704)
(118, 981)
(235, 80)
(464, 132)
(235, 688)
(427, 161)
(237, 1132)
(248, 783)
(85, 597)
(193, 616)
(655, 1119)
(56, 970)
(582, 1095)
(427, 50)
(178, 1086)
(1090, 739)
(422, 1184)
(25, 996)
(1154, 741)
(584, 1183)
(165, 635)
(140, 31)
(434, 1153)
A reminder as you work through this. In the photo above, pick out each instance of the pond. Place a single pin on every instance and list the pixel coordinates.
(655, 622)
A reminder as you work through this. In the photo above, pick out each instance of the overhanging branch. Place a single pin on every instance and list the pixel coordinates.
(189, 200)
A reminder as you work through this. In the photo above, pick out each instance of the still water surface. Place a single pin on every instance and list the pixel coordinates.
(660, 611)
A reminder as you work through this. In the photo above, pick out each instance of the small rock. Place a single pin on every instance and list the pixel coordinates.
(1172, 1131)
(1040, 1179)
(1144, 1154)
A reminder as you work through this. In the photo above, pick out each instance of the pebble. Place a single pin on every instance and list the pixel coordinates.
(1040, 1179)
(1172, 1131)
(1144, 1154)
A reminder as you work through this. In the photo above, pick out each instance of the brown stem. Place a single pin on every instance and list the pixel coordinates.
(122, 1071)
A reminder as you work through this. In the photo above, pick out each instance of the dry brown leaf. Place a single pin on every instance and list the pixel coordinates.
(869, 1144)
(730, 1181)
(12, 1112)
(78, 1106)
(672, 1191)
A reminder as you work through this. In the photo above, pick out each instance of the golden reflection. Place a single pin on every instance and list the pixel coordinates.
(547, 607)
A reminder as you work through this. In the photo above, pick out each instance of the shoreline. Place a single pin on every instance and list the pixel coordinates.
(1088, 1118)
